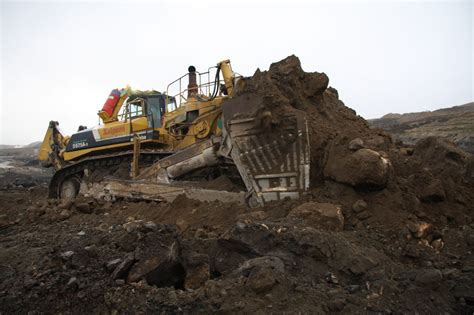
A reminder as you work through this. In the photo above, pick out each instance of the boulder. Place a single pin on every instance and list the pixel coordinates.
(164, 270)
(322, 215)
(142, 268)
(261, 280)
(263, 272)
(170, 273)
(364, 168)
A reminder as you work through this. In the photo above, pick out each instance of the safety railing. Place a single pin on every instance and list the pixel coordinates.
(206, 86)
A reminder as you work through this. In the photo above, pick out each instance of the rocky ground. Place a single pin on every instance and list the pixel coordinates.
(385, 229)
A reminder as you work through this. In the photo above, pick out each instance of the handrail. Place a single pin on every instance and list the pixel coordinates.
(203, 88)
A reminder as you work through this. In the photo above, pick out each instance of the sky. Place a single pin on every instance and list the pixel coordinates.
(60, 60)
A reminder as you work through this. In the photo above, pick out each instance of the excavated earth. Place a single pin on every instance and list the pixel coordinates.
(385, 229)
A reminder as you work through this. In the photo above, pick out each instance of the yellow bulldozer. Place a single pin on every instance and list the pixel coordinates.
(150, 144)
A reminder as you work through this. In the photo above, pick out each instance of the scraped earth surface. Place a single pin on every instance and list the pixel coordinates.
(384, 229)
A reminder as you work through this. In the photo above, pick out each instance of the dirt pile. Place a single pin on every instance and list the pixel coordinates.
(351, 161)
(385, 229)
(286, 88)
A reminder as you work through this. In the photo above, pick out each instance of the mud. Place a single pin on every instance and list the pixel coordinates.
(401, 245)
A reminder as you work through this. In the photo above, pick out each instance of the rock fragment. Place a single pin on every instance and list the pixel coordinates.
(122, 269)
(322, 215)
(419, 230)
(359, 206)
(112, 264)
(356, 144)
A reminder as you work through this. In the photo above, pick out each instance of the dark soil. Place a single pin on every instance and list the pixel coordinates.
(405, 246)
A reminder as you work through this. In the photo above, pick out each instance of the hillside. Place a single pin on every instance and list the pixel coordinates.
(455, 124)
(29, 150)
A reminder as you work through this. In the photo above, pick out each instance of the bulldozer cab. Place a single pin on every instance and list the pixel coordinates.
(151, 107)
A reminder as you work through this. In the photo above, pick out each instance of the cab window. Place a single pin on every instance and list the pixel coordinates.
(170, 104)
(131, 110)
(136, 110)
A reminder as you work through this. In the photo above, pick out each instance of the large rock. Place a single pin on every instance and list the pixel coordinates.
(322, 215)
(142, 268)
(163, 270)
(170, 273)
(263, 272)
(363, 168)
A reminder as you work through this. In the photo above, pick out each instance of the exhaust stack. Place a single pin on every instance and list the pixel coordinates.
(192, 85)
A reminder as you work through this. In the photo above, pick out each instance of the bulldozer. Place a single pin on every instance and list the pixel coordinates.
(149, 144)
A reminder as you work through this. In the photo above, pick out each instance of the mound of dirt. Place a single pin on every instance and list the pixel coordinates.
(351, 161)
(384, 229)
(286, 88)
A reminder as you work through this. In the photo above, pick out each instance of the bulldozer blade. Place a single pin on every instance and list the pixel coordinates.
(113, 189)
(270, 150)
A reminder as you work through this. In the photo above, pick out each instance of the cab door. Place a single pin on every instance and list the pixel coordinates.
(136, 116)
(155, 106)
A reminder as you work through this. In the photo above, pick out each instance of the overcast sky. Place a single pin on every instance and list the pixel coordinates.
(60, 60)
